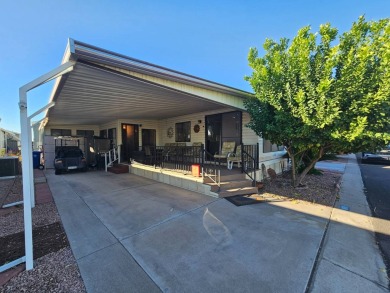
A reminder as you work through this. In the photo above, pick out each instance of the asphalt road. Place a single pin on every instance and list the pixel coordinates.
(376, 179)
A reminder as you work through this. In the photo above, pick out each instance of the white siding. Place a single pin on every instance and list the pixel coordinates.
(248, 135)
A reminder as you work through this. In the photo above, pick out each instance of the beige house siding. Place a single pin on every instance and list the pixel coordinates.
(248, 135)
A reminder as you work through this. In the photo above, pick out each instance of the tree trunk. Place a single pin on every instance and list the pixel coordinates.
(308, 168)
(293, 171)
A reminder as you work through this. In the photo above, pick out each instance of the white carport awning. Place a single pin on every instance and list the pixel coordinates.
(92, 94)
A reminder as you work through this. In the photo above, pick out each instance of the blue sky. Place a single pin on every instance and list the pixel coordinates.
(208, 39)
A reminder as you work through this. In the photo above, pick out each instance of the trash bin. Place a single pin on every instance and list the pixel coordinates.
(196, 170)
(37, 159)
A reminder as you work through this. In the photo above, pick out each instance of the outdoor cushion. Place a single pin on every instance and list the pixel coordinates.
(227, 148)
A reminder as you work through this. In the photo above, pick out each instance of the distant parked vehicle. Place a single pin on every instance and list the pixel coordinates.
(376, 158)
(69, 158)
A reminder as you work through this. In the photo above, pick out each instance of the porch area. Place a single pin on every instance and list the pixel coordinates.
(193, 168)
(156, 119)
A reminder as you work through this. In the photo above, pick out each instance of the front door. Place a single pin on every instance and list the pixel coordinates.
(130, 141)
(222, 127)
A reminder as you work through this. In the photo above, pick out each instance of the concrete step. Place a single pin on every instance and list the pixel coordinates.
(226, 185)
(118, 169)
(227, 178)
(238, 191)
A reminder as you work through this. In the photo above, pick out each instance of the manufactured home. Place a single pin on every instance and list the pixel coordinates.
(150, 115)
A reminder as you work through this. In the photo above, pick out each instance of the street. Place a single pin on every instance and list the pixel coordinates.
(376, 179)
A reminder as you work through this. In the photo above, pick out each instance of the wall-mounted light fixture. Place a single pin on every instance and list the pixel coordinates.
(140, 125)
(199, 121)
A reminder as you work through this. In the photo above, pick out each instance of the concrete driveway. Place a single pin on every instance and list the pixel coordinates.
(132, 234)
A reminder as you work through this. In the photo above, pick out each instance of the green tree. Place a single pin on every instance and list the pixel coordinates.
(314, 96)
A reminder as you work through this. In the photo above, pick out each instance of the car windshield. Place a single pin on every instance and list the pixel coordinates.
(70, 153)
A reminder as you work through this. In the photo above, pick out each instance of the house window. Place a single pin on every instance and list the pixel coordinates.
(85, 133)
(112, 136)
(61, 132)
(103, 133)
(183, 132)
(269, 147)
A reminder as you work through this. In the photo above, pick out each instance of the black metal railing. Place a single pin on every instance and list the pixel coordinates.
(250, 161)
(177, 158)
(181, 158)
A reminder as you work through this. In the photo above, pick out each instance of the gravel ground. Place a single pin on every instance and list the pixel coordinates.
(319, 189)
(54, 272)
(43, 214)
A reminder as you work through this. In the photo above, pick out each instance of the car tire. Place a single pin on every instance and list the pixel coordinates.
(57, 172)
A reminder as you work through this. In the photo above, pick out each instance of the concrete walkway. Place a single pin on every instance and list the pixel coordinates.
(132, 234)
(350, 260)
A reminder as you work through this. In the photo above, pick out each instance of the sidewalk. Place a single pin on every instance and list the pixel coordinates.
(350, 260)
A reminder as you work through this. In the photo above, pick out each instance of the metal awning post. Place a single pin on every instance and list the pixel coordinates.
(31, 174)
(26, 145)
(32, 191)
(26, 169)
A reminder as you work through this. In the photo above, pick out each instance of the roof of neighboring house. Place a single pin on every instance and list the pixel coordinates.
(11, 134)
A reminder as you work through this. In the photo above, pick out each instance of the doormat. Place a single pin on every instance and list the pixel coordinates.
(243, 200)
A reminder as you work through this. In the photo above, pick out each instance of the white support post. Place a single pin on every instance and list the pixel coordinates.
(26, 169)
(105, 161)
(26, 145)
(30, 151)
(119, 154)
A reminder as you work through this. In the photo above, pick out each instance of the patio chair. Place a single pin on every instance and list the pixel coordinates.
(169, 150)
(194, 152)
(149, 154)
(234, 158)
(227, 148)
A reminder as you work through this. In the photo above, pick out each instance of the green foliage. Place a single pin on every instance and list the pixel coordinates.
(314, 96)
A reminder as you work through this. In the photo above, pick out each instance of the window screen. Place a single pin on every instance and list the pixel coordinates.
(183, 132)
(61, 132)
(85, 133)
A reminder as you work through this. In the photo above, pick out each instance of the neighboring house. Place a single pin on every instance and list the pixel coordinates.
(9, 142)
(136, 103)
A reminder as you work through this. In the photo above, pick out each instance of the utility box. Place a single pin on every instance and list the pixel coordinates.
(196, 170)
(9, 166)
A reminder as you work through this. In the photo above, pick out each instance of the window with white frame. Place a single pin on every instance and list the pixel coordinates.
(269, 147)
